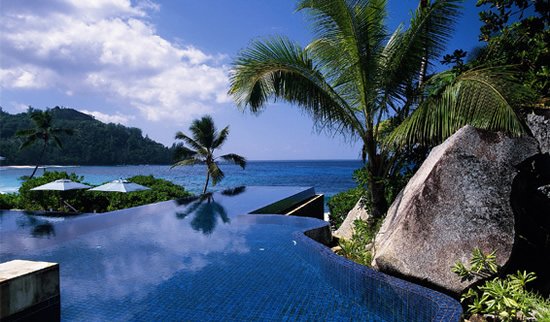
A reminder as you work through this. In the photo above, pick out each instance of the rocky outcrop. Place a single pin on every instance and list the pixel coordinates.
(346, 229)
(540, 127)
(458, 200)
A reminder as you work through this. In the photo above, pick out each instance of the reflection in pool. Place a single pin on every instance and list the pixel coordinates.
(205, 212)
(200, 259)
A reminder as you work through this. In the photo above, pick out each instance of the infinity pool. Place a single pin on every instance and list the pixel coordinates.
(207, 259)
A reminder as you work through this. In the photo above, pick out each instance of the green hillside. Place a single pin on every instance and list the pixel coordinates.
(93, 142)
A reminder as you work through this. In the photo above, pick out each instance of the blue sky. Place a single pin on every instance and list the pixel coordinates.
(157, 65)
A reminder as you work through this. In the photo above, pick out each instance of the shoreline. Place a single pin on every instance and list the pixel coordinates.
(39, 167)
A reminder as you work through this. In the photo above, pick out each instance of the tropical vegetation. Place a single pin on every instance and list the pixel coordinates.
(88, 201)
(341, 203)
(359, 248)
(357, 79)
(516, 33)
(203, 142)
(501, 299)
(43, 133)
(93, 142)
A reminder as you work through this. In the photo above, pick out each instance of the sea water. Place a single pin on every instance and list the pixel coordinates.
(326, 176)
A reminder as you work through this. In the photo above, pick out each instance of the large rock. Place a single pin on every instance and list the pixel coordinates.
(458, 200)
(540, 127)
(358, 212)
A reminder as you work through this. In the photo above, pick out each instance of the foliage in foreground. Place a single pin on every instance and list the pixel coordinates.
(356, 248)
(502, 299)
(89, 201)
(341, 203)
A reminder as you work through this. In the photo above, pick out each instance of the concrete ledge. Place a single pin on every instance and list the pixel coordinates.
(29, 291)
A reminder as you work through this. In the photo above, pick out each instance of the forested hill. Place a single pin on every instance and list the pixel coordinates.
(93, 142)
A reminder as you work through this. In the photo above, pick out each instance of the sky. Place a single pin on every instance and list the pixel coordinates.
(157, 65)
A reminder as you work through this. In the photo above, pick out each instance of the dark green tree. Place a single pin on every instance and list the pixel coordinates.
(43, 132)
(204, 140)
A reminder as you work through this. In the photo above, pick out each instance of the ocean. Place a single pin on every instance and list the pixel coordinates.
(326, 176)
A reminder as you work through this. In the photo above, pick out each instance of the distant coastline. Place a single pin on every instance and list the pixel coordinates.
(327, 176)
(39, 167)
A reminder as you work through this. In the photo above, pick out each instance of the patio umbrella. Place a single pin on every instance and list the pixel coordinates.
(62, 185)
(120, 186)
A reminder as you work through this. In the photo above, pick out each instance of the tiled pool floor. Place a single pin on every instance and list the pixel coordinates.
(206, 260)
(249, 278)
(165, 263)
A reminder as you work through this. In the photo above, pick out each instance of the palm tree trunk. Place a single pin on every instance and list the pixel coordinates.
(39, 161)
(207, 180)
(378, 195)
(376, 187)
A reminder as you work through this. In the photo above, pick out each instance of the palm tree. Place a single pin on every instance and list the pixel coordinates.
(43, 132)
(205, 140)
(352, 77)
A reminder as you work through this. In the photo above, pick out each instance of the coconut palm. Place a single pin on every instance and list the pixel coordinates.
(205, 139)
(352, 77)
(43, 132)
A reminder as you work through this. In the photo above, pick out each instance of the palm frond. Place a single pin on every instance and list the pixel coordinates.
(57, 141)
(182, 152)
(215, 172)
(30, 140)
(204, 131)
(25, 132)
(235, 158)
(350, 35)
(485, 98)
(280, 69)
(194, 144)
(425, 39)
(58, 131)
(220, 138)
(185, 162)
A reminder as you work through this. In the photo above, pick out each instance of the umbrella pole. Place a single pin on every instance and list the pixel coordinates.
(68, 205)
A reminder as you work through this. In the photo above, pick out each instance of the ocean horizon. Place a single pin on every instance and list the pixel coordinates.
(326, 176)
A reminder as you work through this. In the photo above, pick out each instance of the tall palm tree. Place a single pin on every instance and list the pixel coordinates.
(43, 132)
(205, 139)
(352, 77)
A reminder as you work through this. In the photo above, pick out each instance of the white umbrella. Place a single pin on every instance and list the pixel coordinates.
(61, 185)
(120, 186)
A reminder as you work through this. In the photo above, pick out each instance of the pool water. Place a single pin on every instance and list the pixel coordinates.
(202, 259)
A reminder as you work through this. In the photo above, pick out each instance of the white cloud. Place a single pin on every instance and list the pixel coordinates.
(116, 118)
(26, 76)
(110, 49)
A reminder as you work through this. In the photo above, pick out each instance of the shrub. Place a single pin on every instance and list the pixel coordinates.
(9, 201)
(341, 203)
(51, 200)
(503, 299)
(161, 190)
(88, 201)
(356, 248)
